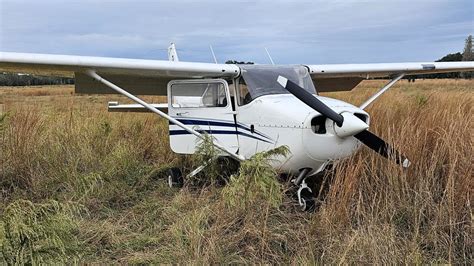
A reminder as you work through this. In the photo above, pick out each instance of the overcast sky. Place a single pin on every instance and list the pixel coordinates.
(315, 31)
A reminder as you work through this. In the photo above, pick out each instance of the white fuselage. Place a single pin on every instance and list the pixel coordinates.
(287, 121)
(268, 122)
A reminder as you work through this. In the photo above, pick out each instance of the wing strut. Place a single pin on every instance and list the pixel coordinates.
(150, 107)
(381, 91)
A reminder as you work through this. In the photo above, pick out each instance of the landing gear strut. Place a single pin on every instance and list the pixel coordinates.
(305, 194)
(305, 197)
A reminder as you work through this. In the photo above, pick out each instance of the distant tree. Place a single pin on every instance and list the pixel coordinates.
(468, 55)
(451, 58)
(446, 58)
(239, 62)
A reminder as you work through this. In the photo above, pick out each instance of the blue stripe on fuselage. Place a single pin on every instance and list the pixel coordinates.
(217, 132)
(221, 123)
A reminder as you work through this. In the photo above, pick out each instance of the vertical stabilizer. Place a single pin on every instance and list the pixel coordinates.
(172, 54)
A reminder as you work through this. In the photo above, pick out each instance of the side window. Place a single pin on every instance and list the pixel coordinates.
(244, 95)
(195, 95)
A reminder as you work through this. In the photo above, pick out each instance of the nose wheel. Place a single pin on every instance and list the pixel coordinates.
(305, 197)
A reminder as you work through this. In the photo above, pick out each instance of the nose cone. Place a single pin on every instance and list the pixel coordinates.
(351, 126)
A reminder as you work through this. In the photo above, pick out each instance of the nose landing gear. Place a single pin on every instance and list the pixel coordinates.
(306, 197)
(305, 194)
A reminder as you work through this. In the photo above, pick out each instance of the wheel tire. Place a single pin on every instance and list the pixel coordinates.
(309, 204)
(227, 167)
(175, 177)
(308, 201)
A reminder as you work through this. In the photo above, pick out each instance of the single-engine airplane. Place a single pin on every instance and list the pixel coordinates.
(245, 108)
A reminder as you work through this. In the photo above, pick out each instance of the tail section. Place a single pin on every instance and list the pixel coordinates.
(172, 54)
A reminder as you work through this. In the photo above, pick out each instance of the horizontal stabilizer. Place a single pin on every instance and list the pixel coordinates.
(136, 108)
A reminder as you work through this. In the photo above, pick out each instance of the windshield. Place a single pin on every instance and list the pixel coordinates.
(262, 80)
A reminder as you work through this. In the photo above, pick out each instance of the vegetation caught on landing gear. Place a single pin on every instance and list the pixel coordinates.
(217, 168)
(256, 181)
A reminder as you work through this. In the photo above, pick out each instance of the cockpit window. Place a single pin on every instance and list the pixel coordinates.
(262, 80)
(244, 95)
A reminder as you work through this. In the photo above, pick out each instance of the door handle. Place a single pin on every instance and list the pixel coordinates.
(182, 113)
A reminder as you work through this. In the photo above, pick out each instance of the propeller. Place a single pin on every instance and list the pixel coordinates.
(381, 147)
(347, 124)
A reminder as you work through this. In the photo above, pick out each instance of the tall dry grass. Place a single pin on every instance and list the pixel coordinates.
(69, 150)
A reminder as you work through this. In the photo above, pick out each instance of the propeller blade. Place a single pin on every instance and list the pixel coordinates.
(383, 148)
(310, 100)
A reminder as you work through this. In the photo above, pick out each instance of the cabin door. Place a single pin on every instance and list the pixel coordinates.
(205, 106)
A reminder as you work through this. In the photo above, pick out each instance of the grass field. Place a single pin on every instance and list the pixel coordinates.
(81, 184)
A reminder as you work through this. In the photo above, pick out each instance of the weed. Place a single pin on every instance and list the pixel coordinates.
(206, 154)
(37, 233)
(256, 181)
(421, 99)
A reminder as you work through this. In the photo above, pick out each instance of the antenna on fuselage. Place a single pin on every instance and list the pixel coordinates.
(172, 54)
(213, 54)
(269, 56)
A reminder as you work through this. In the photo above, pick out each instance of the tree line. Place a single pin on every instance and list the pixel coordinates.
(12, 79)
(466, 55)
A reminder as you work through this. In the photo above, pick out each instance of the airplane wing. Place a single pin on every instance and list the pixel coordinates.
(344, 77)
(145, 77)
(150, 77)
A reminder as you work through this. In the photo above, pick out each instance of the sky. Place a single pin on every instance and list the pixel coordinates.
(294, 32)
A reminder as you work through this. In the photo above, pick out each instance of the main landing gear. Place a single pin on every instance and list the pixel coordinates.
(175, 177)
(226, 166)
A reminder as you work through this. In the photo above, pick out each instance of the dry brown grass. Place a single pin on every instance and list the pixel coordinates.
(15, 92)
(69, 149)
